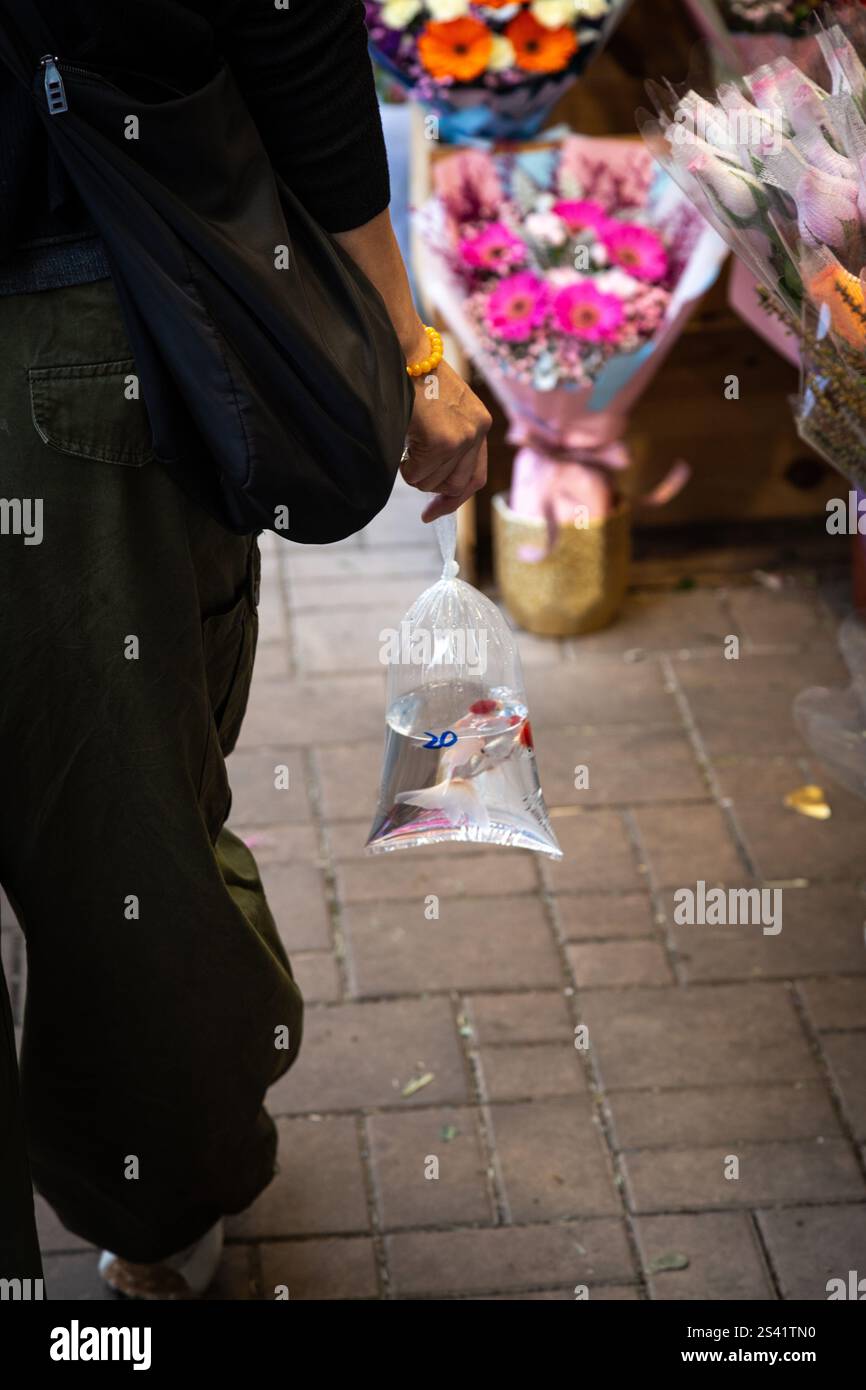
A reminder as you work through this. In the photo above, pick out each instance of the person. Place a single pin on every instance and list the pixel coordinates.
(161, 1003)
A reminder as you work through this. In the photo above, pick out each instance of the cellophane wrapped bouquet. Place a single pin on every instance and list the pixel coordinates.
(567, 272)
(459, 761)
(490, 69)
(744, 34)
(777, 165)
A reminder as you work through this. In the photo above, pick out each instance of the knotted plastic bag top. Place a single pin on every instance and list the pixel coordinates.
(459, 760)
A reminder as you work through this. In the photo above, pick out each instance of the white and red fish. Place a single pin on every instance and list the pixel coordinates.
(474, 753)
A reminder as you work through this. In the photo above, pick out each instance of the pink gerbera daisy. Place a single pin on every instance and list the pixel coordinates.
(580, 214)
(637, 250)
(517, 307)
(496, 248)
(584, 312)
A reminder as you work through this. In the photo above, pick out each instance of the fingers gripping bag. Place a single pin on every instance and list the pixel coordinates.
(459, 762)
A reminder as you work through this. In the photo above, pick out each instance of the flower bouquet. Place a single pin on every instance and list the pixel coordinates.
(743, 34)
(778, 167)
(567, 272)
(489, 69)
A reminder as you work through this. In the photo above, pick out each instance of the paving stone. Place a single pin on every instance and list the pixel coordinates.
(769, 619)
(346, 639)
(598, 854)
(53, 1236)
(272, 621)
(501, 943)
(272, 664)
(235, 1280)
(811, 1245)
(629, 763)
(279, 844)
(320, 563)
(349, 778)
(845, 1053)
(764, 780)
(599, 1293)
(497, 871)
(73, 1278)
(320, 1269)
(744, 707)
(619, 963)
(359, 1055)
(664, 1180)
(722, 1115)
(256, 798)
(401, 1148)
(839, 1003)
(756, 676)
(784, 844)
(546, 653)
(347, 840)
(601, 692)
(724, 1257)
(532, 1071)
(726, 1034)
(316, 973)
(602, 916)
(822, 931)
(534, 1017)
(661, 622)
(509, 1257)
(318, 711)
(684, 844)
(370, 592)
(296, 895)
(319, 1188)
(553, 1160)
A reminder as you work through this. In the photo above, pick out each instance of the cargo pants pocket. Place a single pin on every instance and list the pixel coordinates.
(91, 410)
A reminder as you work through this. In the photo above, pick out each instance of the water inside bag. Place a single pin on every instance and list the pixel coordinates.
(459, 765)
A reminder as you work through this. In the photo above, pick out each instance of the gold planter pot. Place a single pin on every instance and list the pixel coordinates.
(581, 585)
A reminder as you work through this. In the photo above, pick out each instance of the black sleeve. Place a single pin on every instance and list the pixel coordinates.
(307, 79)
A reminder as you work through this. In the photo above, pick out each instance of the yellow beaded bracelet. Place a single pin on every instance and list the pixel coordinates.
(431, 362)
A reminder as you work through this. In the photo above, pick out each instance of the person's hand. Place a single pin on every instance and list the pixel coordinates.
(447, 443)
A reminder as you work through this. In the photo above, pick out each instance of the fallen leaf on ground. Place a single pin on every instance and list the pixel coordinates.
(671, 1259)
(416, 1083)
(809, 801)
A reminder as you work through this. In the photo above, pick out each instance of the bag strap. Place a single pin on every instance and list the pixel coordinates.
(24, 39)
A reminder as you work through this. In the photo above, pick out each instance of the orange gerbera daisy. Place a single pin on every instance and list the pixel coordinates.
(538, 49)
(458, 48)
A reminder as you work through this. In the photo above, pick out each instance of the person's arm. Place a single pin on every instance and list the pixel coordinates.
(448, 432)
(306, 76)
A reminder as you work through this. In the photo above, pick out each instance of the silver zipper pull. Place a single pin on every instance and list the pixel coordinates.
(55, 92)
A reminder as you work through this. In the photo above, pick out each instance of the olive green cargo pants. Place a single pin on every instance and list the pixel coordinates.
(160, 1002)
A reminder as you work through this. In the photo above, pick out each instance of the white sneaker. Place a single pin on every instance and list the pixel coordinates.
(182, 1276)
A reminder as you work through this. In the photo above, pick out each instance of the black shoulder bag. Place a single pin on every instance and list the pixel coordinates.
(275, 385)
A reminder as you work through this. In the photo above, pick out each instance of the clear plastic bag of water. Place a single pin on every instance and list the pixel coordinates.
(459, 761)
(833, 722)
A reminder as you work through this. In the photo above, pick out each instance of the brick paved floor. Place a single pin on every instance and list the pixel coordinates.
(558, 1166)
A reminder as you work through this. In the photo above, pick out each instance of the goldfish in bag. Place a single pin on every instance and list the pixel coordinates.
(459, 760)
